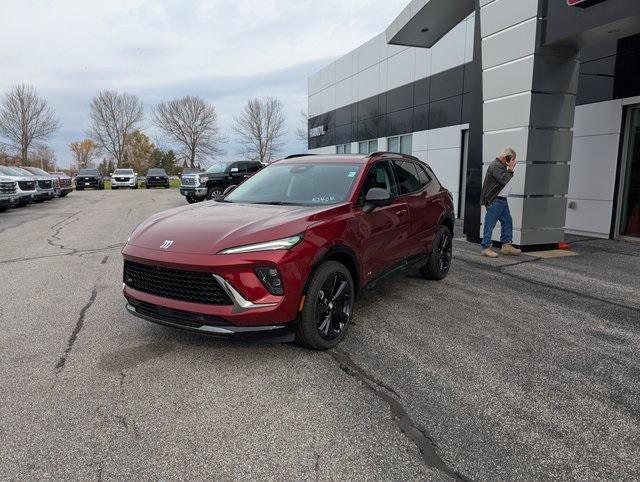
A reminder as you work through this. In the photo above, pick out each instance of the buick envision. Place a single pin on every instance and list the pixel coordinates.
(291, 248)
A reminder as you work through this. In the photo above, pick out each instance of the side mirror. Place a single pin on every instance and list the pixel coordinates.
(229, 189)
(376, 198)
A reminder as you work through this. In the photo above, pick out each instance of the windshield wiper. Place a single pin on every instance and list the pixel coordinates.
(276, 203)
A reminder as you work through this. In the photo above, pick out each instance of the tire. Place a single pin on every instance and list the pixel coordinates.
(214, 192)
(79, 189)
(190, 200)
(167, 187)
(64, 195)
(39, 201)
(439, 262)
(323, 325)
(135, 186)
(114, 188)
(100, 187)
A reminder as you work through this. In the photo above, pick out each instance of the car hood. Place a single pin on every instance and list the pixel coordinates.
(207, 228)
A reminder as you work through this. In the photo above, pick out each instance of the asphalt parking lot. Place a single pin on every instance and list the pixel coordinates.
(509, 369)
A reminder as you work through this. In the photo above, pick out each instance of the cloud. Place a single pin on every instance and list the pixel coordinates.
(225, 51)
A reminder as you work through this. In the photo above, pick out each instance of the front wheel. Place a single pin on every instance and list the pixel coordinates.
(326, 315)
(190, 199)
(439, 262)
(213, 192)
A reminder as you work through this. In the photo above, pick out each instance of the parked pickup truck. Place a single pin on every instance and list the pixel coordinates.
(212, 183)
(63, 185)
(44, 184)
(26, 185)
(8, 193)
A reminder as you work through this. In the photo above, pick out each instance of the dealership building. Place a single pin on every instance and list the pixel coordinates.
(453, 82)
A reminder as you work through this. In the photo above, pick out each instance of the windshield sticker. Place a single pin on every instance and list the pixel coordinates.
(352, 174)
(324, 199)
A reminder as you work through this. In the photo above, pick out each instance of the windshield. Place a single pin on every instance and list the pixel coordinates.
(10, 171)
(88, 172)
(23, 172)
(38, 171)
(156, 172)
(218, 167)
(298, 183)
(123, 172)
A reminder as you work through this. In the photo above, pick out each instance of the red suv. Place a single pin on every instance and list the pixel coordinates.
(288, 251)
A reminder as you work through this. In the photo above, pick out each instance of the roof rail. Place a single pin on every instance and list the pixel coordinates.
(293, 156)
(379, 153)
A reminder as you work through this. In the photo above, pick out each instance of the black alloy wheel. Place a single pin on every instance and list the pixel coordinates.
(328, 307)
(439, 262)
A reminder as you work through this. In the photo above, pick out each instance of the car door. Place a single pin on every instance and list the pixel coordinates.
(383, 232)
(414, 181)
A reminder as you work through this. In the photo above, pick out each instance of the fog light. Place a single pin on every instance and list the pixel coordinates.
(270, 278)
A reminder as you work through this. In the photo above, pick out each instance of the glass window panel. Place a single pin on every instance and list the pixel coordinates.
(394, 144)
(406, 143)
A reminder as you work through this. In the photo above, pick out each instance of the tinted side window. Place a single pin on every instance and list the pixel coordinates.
(381, 176)
(254, 167)
(407, 177)
(423, 175)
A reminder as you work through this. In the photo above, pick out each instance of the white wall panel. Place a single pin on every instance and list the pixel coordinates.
(589, 217)
(469, 38)
(344, 92)
(368, 54)
(420, 141)
(599, 118)
(368, 82)
(423, 63)
(346, 67)
(402, 68)
(446, 137)
(593, 167)
(449, 52)
(446, 164)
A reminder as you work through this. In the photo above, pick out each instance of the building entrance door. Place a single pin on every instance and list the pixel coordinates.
(629, 212)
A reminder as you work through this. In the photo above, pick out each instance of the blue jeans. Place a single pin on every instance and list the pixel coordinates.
(498, 210)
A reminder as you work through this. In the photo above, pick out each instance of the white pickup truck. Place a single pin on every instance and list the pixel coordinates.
(8, 193)
(26, 184)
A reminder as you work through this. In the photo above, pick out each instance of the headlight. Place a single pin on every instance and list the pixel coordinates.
(203, 179)
(286, 243)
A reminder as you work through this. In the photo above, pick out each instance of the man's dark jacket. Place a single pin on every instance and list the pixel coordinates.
(498, 176)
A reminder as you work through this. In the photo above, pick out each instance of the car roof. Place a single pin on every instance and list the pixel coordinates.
(347, 158)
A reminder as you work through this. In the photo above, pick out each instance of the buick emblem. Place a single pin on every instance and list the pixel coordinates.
(167, 244)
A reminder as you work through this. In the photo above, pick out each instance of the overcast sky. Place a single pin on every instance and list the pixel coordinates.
(223, 50)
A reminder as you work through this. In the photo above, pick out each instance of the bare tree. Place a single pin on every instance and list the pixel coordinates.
(302, 131)
(114, 117)
(192, 125)
(260, 128)
(83, 152)
(25, 119)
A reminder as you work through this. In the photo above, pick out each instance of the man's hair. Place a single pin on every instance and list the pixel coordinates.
(508, 152)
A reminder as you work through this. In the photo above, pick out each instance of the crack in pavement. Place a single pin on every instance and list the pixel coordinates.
(74, 334)
(402, 419)
(80, 252)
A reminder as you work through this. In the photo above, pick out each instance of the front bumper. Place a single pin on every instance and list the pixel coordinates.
(50, 194)
(169, 318)
(8, 201)
(89, 184)
(157, 182)
(252, 304)
(194, 192)
(129, 183)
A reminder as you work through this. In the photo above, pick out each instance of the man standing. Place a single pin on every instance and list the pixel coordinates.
(495, 190)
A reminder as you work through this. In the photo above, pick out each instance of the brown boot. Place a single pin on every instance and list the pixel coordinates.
(489, 253)
(509, 250)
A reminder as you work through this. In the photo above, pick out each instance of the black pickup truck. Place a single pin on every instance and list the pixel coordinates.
(210, 184)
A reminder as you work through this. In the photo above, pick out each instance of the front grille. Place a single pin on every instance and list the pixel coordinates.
(122, 179)
(191, 286)
(185, 318)
(45, 184)
(7, 187)
(27, 185)
(189, 181)
(65, 182)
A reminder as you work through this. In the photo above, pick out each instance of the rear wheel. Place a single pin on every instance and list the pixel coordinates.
(326, 315)
(439, 262)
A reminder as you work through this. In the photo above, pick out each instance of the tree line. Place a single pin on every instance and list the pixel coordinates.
(115, 135)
